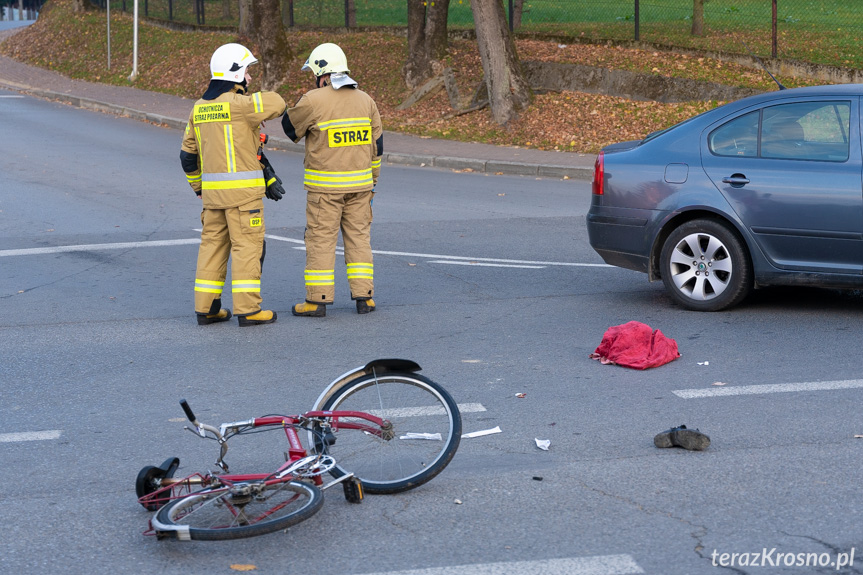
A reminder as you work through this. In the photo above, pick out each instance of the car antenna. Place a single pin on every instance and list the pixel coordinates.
(763, 67)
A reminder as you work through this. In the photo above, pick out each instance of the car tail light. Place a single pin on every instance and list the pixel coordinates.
(598, 173)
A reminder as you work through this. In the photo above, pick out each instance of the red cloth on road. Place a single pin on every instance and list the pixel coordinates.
(635, 345)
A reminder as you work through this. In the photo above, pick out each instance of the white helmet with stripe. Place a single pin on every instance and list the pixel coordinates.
(229, 62)
(327, 59)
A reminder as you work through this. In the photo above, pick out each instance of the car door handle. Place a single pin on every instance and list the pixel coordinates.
(736, 180)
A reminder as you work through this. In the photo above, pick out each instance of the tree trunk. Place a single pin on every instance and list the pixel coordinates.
(417, 69)
(697, 17)
(246, 28)
(427, 40)
(517, 10)
(268, 34)
(77, 6)
(436, 39)
(508, 91)
(226, 9)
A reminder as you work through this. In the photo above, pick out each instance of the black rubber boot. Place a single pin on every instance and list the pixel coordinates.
(259, 318)
(308, 309)
(365, 305)
(216, 314)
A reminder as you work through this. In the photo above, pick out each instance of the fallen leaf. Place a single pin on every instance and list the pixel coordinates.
(240, 567)
(521, 395)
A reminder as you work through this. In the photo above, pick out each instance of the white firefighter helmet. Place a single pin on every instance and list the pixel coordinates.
(229, 62)
(327, 59)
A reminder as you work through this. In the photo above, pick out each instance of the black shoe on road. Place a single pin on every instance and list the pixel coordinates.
(690, 439)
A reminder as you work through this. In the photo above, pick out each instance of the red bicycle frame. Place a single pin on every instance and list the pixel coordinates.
(174, 488)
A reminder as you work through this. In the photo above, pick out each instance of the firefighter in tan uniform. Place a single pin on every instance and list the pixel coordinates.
(219, 156)
(344, 143)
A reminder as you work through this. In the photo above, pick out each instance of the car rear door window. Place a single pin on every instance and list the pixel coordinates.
(806, 131)
(801, 131)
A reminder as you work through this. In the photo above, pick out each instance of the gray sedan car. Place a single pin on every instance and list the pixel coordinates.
(767, 190)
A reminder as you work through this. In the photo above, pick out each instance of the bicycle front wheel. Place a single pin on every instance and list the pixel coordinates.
(243, 510)
(426, 429)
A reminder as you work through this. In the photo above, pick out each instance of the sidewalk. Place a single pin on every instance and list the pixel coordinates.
(173, 111)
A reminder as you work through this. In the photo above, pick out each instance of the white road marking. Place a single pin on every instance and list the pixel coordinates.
(421, 411)
(598, 565)
(9, 96)
(768, 388)
(30, 436)
(483, 264)
(471, 407)
(437, 258)
(97, 247)
(470, 260)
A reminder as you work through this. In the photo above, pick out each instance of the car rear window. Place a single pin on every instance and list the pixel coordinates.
(739, 137)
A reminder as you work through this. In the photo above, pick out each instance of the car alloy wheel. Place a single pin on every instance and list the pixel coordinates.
(705, 266)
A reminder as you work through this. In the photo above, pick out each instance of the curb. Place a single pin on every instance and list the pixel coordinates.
(496, 167)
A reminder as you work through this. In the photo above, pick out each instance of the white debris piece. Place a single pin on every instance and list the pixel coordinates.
(543, 444)
(432, 436)
(481, 433)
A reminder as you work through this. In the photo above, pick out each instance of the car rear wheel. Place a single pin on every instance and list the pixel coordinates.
(705, 266)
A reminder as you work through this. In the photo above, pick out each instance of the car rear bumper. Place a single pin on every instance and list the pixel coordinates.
(618, 235)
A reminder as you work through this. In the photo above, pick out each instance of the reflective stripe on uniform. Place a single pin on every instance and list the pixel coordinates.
(198, 142)
(230, 159)
(259, 104)
(227, 181)
(361, 271)
(318, 178)
(344, 123)
(193, 178)
(376, 163)
(245, 286)
(320, 277)
(208, 286)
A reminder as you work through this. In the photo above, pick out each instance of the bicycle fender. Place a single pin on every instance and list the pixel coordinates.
(377, 365)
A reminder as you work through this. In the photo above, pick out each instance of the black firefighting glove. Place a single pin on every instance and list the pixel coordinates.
(275, 191)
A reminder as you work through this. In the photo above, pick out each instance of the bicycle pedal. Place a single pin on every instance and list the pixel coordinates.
(353, 488)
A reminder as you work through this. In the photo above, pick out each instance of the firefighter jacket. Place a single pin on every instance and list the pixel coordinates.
(223, 134)
(344, 139)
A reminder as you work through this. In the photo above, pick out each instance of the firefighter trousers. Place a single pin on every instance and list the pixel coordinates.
(237, 233)
(326, 214)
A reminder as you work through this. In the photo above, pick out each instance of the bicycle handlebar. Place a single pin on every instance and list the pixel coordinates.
(185, 405)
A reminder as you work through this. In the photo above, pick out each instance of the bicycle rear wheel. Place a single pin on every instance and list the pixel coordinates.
(244, 510)
(425, 434)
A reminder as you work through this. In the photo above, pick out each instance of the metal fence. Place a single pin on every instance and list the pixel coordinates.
(19, 9)
(818, 31)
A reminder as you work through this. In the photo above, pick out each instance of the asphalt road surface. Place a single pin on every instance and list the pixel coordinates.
(487, 282)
